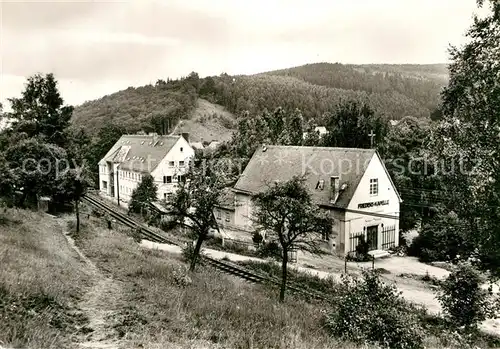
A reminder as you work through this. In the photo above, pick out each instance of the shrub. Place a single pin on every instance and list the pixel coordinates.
(443, 239)
(227, 122)
(371, 311)
(464, 302)
(362, 250)
(257, 238)
(181, 277)
(237, 248)
(271, 249)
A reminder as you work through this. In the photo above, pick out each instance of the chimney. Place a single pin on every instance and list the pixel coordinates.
(185, 135)
(335, 188)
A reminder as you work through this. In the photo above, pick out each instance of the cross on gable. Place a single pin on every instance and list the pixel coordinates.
(371, 135)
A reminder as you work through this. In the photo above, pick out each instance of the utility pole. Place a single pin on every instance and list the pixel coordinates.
(371, 135)
(117, 186)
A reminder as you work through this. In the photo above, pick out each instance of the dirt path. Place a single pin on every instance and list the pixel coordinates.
(97, 304)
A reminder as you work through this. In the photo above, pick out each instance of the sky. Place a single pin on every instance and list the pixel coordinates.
(96, 48)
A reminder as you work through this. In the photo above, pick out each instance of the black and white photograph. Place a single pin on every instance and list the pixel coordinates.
(262, 174)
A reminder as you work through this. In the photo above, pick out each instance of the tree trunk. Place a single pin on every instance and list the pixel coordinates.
(196, 253)
(284, 263)
(77, 211)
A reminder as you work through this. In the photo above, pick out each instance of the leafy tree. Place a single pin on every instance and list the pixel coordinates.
(145, 193)
(134, 108)
(350, 125)
(406, 156)
(393, 91)
(465, 302)
(466, 139)
(436, 114)
(7, 180)
(276, 123)
(35, 168)
(78, 146)
(192, 205)
(292, 133)
(252, 131)
(286, 211)
(72, 186)
(207, 88)
(443, 238)
(42, 106)
(105, 139)
(312, 138)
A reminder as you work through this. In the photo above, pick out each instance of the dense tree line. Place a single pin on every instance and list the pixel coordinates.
(318, 88)
(466, 143)
(417, 84)
(39, 152)
(393, 91)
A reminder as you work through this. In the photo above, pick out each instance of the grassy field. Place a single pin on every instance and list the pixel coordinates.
(41, 281)
(124, 296)
(208, 122)
(166, 309)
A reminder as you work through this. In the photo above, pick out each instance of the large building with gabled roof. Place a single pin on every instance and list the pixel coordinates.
(353, 185)
(164, 157)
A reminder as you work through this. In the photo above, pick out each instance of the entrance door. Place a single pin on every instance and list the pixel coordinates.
(372, 237)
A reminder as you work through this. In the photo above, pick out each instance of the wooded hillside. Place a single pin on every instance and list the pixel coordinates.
(393, 91)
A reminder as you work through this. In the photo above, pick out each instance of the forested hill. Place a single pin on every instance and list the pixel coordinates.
(394, 91)
(421, 83)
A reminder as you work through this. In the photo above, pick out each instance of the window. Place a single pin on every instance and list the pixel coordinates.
(169, 179)
(171, 163)
(104, 185)
(165, 196)
(374, 187)
(164, 179)
(181, 178)
(227, 216)
(181, 149)
(181, 163)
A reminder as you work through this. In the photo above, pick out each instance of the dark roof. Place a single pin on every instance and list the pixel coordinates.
(139, 153)
(197, 145)
(281, 163)
(158, 207)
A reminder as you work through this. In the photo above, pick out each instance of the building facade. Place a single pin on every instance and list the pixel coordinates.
(353, 185)
(166, 158)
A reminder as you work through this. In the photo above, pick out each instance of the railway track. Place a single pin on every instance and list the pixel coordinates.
(224, 266)
(148, 233)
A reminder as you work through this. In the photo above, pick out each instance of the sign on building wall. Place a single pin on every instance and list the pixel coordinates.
(373, 204)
